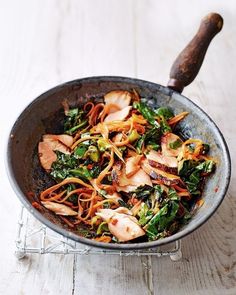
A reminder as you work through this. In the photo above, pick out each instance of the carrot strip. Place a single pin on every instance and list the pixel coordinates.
(65, 181)
(70, 224)
(89, 104)
(177, 118)
(98, 180)
(103, 239)
(81, 140)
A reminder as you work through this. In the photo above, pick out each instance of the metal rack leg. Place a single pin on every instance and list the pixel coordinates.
(20, 254)
(178, 254)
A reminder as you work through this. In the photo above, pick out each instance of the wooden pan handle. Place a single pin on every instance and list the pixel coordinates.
(188, 63)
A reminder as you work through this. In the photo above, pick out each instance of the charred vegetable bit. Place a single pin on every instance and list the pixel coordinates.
(121, 173)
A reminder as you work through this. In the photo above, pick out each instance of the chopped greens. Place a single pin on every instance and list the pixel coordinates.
(147, 113)
(75, 120)
(164, 112)
(150, 138)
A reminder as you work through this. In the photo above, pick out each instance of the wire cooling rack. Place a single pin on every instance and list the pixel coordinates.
(33, 237)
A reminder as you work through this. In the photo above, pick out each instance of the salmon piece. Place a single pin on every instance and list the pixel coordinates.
(132, 165)
(115, 196)
(165, 142)
(140, 178)
(65, 139)
(120, 98)
(119, 115)
(123, 226)
(50, 144)
(59, 209)
(161, 175)
(46, 155)
(126, 189)
(55, 144)
(161, 159)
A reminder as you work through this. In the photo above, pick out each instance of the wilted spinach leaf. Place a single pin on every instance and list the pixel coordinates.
(152, 136)
(147, 113)
(164, 112)
(162, 219)
(145, 214)
(75, 119)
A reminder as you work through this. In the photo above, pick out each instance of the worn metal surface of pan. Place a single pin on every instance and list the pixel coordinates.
(45, 115)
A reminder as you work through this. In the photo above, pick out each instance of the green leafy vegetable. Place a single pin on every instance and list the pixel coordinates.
(81, 172)
(206, 167)
(193, 179)
(164, 112)
(80, 151)
(185, 167)
(124, 204)
(147, 113)
(62, 166)
(145, 214)
(143, 192)
(95, 171)
(72, 198)
(152, 136)
(161, 220)
(165, 127)
(75, 119)
(103, 227)
(172, 195)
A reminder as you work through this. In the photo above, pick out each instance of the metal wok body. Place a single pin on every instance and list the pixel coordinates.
(45, 115)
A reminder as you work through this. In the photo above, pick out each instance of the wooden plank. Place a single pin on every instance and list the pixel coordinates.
(112, 275)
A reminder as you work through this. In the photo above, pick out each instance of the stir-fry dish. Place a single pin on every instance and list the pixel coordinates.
(121, 172)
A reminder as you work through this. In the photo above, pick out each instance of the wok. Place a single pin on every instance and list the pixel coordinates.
(45, 114)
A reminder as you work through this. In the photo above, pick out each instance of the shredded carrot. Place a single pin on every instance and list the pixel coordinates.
(177, 118)
(185, 195)
(105, 171)
(103, 239)
(94, 113)
(200, 202)
(82, 140)
(70, 224)
(122, 143)
(65, 181)
(135, 209)
(178, 188)
(89, 105)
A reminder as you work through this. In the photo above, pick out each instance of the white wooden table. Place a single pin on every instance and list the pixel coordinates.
(44, 43)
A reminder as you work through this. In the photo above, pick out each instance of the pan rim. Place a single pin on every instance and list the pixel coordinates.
(129, 246)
